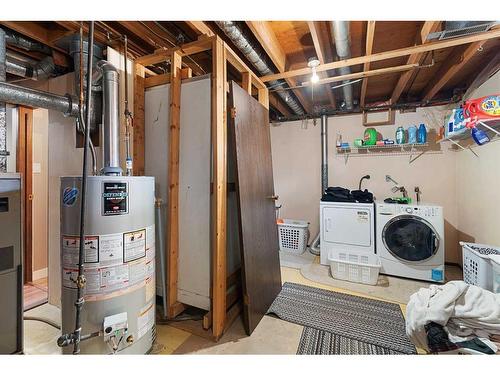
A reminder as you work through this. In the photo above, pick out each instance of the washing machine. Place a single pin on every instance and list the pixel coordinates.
(346, 227)
(410, 241)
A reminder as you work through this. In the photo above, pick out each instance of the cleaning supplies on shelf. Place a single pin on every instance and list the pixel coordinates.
(412, 134)
(485, 108)
(400, 136)
(388, 142)
(358, 142)
(455, 123)
(339, 140)
(479, 136)
(422, 134)
(370, 137)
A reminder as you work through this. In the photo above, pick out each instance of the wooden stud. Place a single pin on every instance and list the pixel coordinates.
(246, 82)
(173, 306)
(186, 73)
(264, 97)
(219, 196)
(239, 65)
(200, 45)
(432, 46)
(24, 161)
(449, 69)
(427, 28)
(232, 315)
(370, 33)
(138, 128)
(153, 81)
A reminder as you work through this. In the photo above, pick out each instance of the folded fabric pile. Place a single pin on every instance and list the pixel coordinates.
(454, 317)
(340, 194)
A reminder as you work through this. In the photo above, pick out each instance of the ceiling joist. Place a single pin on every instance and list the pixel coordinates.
(370, 33)
(432, 46)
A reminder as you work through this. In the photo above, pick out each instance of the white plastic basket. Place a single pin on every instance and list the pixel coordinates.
(477, 266)
(354, 266)
(495, 263)
(294, 235)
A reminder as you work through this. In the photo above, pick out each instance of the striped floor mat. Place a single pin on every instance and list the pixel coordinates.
(338, 323)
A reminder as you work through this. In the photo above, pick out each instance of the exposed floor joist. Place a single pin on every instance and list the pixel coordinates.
(266, 37)
(370, 33)
(427, 28)
(447, 71)
(432, 46)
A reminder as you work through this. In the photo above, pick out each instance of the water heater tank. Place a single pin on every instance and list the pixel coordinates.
(119, 266)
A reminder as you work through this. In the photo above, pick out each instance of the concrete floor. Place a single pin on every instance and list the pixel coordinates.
(272, 335)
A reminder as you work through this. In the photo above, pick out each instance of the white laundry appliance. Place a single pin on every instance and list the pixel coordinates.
(346, 227)
(410, 241)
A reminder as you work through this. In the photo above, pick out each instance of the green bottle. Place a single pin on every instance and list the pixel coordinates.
(400, 136)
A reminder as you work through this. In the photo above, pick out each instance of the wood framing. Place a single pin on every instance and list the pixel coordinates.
(173, 306)
(447, 71)
(219, 196)
(432, 46)
(391, 118)
(427, 28)
(138, 128)
(370, 33)
(24, 162)
(218, 317)
(200, 27)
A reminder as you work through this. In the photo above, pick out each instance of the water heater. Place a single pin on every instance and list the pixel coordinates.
(119, 263)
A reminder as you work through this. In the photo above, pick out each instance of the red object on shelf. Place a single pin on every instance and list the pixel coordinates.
(486, 108)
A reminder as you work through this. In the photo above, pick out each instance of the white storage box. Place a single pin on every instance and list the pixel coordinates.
(477, 266)
(294, 235)
(354, 266)
(495, 263)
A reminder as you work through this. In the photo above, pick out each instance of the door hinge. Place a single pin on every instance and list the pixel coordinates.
(233, 112)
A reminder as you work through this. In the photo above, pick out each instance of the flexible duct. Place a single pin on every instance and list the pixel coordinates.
(340, 33)
(20, 41)
(233, 32)
(14, 94)
(108, 75)
(3, 107)
(43, 69)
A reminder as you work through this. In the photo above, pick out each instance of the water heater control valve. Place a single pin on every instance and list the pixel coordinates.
(115, 328)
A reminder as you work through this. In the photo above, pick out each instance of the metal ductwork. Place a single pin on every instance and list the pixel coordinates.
(43, 69)
(454, 29)
(20, 41)
(237, 36)
(107, 74)
(67, 104)
(96, 103)
(3, 107)
(340, 34)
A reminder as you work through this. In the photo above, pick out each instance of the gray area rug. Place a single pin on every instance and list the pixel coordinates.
(338, 323)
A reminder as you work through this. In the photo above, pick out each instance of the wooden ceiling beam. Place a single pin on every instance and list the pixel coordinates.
(449, 69)
(33, 31)
(427, 28)
(267, 38)
(432, 46)
(319, 47)
(200, 27)
(275, 102)
(370, 33)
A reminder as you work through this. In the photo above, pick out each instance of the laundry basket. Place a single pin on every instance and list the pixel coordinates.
(294, 235)
(477, 266)
(354, 266)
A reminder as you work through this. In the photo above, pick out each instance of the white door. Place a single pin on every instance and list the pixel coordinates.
(347, 225)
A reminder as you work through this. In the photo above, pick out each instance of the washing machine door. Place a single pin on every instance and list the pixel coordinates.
(410, 238)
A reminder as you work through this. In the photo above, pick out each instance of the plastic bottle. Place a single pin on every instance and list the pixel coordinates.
(400, 136)
(479, 136)
(422, 134)
(412, 134)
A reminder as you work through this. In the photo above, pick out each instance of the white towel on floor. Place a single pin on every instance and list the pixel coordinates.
(465, 310)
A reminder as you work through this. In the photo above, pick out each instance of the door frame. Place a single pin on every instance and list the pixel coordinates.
(24, 166)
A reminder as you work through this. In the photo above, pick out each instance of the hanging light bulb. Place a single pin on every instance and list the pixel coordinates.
(313, 63)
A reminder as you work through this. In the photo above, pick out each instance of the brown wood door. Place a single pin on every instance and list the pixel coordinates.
(250, 136)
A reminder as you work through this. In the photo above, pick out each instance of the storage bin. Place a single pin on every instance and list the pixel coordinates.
(495, 268)
(477, 267)
(354, 266)
(293, 235)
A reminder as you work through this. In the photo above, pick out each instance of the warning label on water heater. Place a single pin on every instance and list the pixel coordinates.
(114, 198)
(71, 249)
(134, 245)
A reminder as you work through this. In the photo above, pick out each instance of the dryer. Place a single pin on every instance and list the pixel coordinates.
(410, 241)
(347, 227)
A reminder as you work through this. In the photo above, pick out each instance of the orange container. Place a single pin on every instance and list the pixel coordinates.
(482, 109)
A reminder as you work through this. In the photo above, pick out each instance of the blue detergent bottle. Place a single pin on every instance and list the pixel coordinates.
(422, 134)
(479, 136)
